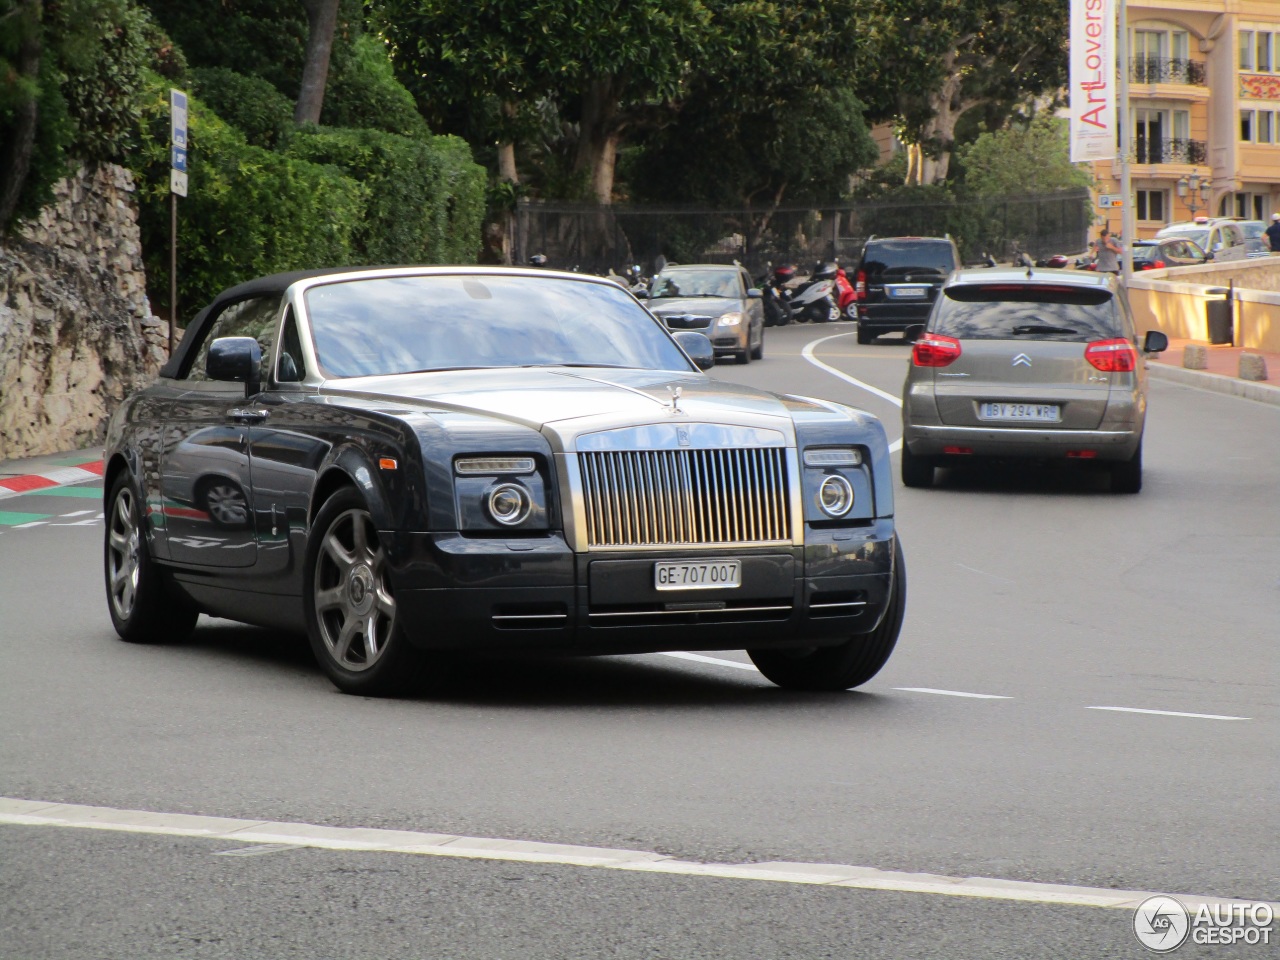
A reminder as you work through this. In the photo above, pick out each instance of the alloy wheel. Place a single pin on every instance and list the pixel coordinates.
(122, 554)
(354, 606)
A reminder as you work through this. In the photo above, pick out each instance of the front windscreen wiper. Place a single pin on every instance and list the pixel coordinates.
(1034, 328)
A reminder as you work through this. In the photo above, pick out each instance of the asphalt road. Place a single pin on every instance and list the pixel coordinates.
(1065, 606)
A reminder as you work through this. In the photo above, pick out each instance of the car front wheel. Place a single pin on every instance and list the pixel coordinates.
(143, 607)
(849, 664)
(350, 604)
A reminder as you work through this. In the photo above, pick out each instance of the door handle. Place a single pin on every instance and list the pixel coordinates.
(248, 415)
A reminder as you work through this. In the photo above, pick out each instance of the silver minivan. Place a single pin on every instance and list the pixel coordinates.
(1027, 364)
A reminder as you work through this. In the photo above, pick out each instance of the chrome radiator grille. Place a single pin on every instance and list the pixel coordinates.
(660, 497)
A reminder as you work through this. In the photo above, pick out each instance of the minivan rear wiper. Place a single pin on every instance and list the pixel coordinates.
(1035, 328)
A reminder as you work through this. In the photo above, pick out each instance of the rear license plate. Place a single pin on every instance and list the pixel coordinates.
(908, 292)
(1036, 412)
(697, 575)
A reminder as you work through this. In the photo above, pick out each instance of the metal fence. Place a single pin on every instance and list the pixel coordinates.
(596, 239)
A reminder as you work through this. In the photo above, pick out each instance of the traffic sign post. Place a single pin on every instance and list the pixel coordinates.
(177, 188)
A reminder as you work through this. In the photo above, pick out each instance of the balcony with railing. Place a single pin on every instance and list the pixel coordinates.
(1169, 150)
(1167, 70)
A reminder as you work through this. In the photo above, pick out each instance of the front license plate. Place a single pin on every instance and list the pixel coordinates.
(1036, 412)
(697, 575)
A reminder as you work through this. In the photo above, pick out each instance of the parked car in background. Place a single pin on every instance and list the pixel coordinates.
(1169, 252)
(1255, 235)
(897, 280)
(713, 299)
(1220, 238)
(1032, 365)
(421, 462)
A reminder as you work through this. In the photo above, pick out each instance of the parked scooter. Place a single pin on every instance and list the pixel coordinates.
(815, 298)
(778, 311)
(846, 299)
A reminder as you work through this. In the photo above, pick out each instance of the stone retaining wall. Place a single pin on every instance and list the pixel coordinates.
(77, 333)
(1174, 301)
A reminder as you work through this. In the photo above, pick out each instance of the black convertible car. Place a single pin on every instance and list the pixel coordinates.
(413, 463)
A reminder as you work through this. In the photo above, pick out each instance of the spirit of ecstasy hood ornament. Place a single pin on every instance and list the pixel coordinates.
(675, 399)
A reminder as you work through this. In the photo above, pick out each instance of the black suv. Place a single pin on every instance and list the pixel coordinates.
(897, 281)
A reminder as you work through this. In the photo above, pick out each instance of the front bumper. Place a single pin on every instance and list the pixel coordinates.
(461, 593)
(1021, 442)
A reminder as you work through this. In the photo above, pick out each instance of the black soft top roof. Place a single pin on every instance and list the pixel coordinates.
(276, 283)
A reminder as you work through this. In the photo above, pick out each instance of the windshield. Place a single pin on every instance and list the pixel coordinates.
(408, 324)
(1015, 312)
(697, 283)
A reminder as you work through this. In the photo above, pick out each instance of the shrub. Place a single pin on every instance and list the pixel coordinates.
(257, 109)
(425, 197)
(248, 212)
(364, 92)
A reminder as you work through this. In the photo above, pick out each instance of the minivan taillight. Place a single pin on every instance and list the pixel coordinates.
(935, 350)
(1112, 356)
(860, 286)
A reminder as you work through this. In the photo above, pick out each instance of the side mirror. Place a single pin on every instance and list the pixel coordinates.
(755, 293)
(913, 332)
(1155, 342)
(698, 347)
(237, 359)
(640, 294)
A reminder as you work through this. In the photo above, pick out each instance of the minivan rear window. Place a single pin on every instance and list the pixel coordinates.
(887, 258)
(1026, 312)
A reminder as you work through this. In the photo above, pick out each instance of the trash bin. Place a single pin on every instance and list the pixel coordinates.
(1220, 316)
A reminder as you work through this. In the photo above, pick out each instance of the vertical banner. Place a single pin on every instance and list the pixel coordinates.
(1094, 129)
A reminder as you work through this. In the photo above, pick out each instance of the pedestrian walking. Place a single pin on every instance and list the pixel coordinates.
(1273, 233)
(1108, 253)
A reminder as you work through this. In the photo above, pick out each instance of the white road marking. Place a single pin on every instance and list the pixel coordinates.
(77, 513)
(261, 849)
(807, 353)
(954, 693)
(38, 813)
(33, 523)
(698, 658)
(1170, 713)
(983, 573)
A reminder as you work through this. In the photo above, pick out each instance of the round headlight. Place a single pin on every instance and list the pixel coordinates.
(835, 496)
(509, 504)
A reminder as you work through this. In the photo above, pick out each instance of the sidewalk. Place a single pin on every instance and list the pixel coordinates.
(1221, 373)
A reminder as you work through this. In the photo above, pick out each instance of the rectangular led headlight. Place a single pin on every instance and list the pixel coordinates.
(471, 466)
(837, 457)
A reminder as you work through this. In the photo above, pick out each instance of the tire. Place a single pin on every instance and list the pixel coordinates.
(864, 335)
(849, 664)
(851, 310)
(350, 607)
(833, 314)
(744, 357)
(144, 608)
(916, 471)
(1126, 475)
(758, 352)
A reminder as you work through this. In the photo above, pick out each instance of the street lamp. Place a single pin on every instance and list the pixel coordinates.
(1191, 188)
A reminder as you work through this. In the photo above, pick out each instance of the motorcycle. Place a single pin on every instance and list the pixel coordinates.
(846, 299)
(815, 297)
(777, 304)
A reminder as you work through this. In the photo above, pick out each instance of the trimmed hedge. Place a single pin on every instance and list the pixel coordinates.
(248, 211)
(364, 92)
(424, 197)
(257, 109)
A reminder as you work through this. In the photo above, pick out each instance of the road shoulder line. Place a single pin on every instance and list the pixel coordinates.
(18, 812)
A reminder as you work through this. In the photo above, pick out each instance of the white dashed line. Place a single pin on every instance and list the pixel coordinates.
(277, 836)
(698, 658)
(954, 693)
(77, 513)
(1170, 713)
(33, 523)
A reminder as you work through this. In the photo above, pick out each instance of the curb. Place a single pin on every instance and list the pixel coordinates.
(1232, 386)
(56, 477)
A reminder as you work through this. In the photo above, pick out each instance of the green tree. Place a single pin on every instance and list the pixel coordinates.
(1021, 160)
(937, 61)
